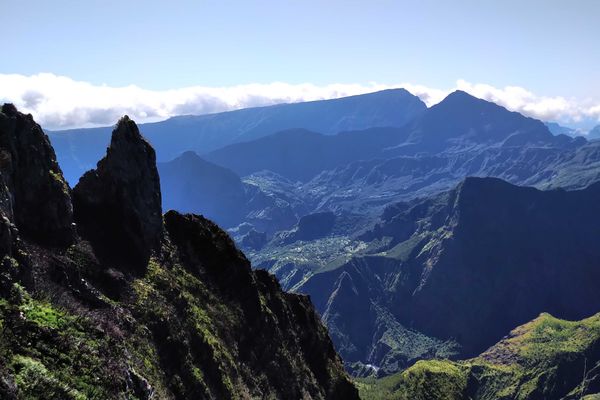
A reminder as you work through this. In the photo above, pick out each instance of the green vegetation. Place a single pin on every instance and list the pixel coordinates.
(545, 358)
(405, 346)
(51, 353)
(35, 381)
(54, 354)
(202, 320)
(58, 178)
(546, 339)
(433, 379)
(45, 315)
(403, 250)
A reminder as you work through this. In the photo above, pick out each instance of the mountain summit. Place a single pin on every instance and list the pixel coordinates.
(118, 204)
(462, 118)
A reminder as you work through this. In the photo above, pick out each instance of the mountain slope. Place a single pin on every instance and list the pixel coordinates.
(79, 149)
(192, 184)
(174, 312)
(464, 266)
(546, 358)
(299, 155)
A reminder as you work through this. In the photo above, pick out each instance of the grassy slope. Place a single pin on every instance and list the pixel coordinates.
(172, 330)
(544, 358)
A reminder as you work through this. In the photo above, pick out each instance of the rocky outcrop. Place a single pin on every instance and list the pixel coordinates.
(118, 205)
(138, 309)
(36, 197)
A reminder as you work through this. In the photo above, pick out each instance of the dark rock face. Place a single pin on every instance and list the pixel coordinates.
(514, 252)
(205, 247)
(118, 205)
(38, 199)
(7, 228)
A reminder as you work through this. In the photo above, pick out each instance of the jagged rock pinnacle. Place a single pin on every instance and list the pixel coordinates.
(118, 204)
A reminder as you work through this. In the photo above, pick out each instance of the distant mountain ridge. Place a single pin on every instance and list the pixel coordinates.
(464, 118)
(594, 133)
(458, 123)
(78, 149)
(558, 129)
(359, 172)
(356, 174)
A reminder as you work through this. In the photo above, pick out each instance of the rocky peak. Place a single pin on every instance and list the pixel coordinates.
(35, 197)
(462, 117)
(118, 204)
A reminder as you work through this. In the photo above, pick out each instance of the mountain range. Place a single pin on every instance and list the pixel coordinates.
(421, 237)
(360, 172)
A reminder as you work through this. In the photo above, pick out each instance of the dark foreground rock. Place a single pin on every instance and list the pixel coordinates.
(118, 204)
(37, 195)
(138, 308)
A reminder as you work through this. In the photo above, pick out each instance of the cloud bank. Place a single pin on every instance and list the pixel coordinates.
(59, 102)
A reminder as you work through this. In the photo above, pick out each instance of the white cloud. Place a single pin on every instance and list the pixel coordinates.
(594, 111)
(59, 102)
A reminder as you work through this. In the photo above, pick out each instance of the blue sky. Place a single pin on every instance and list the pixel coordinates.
(547, 47)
